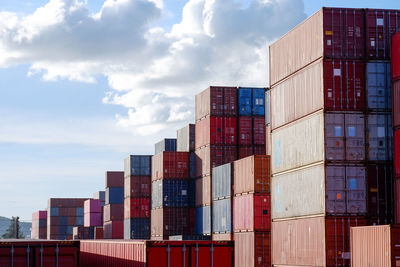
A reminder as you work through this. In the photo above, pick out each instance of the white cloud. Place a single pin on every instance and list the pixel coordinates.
(152, 72)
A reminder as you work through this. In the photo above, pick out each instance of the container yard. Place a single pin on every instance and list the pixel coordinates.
(304, 172)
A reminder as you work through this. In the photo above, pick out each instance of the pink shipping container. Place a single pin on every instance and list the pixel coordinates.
(93, 219)
(171, 221)
(213, 156)
(377, 246)
(113, 212)
(252, 174)
(216, 101)
(114, 179)
(137, 208)
(203, 191)
(252, 212)
(113, 230)
(156, 253)
(381, 25)
(396, 104)
(252, 249)
(170, 164)
(395, 57)
(137, 186)
(216, 131)
(92, 206)
(330, 33)
(396, 155)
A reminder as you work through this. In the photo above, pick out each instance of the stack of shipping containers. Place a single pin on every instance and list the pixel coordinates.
(114, 206)
(137, 197)
(39, 225)
(171, 213)
(330, 147)
(396, 119)
(62, 215)
(252, 211)
(93, 217)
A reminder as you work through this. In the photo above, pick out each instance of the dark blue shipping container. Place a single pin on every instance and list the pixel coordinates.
(79, 212)
(244, 101)
(115, 195)
(79, 221)
(62, 220)
(167, 144)
(222, 216)
(62, 236)
(170, 193)
(192, 165)
(62, 229)
(137, 228)
(54, 211)
(70, 230)
(42, 223)
(258, 102)
(203, 220)
(137, 165)
(192, 193)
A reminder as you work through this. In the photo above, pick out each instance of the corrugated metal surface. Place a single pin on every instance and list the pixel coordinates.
(170, 193)
(114, 179)
(211, 156)
(222, 178)
(252, 212)
(222, 216)
(397, 201)
(137, 186)
(185, 140)
(222, 237)
(268, 147)
(137, 208)
(115, 195)
(298, 144)
(396, 104)
(378, 85)
(245, 130)
(258, 131)
(138, 228)
(172, 221)
(258, 101)
(203, 191)
(167, 144)
(113, 212)
(267, 106)
(216, 131)
(252, 249)
(93, 219)
(170, 164)
(244, 101)
(203, 220)
(113, 229)
(396, 161)
(298, 193)
(380, 25)
(216, 101)
(380, 137)
(395, 57)
(92, 206)
(138, 165)
(252, 174)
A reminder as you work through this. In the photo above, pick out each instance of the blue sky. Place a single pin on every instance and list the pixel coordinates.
(90, 85)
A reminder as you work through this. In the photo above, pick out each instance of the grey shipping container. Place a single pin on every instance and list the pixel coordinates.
(222, 178)
(185, 140)
(378, 85)
(380, 137)
(167, 144)
(137, 165)
(222, 216)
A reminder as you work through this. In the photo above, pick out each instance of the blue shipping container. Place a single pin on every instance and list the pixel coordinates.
(170, 193)
(137, 165)
(54, 211)
(79, 221)
(100, 195)
(167, 144)
(378, 85)
(192, 165)
(62, 220)
(244, 101)
(203, 220)
(70, 230)
(115, 195)
(62, 229)
(137, 228)
(192, 193)
(79, 212)
(222, 216)
(258, 102)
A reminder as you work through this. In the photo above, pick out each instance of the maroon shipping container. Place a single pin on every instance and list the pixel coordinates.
(252, 174)
(252, 249)
(137, 208)
(24, 253)
(252, 212)
(396, 155)
(213, 156)
(113, 230)
(137, 186)
(113, 212)
(114, 179)
(245, 151)
(98, 233)
(395, 57)
(259, 131)
(203, 191)
(66, 202)
(66, 211)
(216, 131)
(396, 104)
(245, 129)
(170, 164)
(259, 150)
(172, 221)
(381, 25)
(216, 101)
(156, 253)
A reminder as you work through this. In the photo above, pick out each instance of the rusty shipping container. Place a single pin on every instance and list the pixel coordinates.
(252, 174)
(330, 33)
(216, 101)
(252, 249)
(170, 164)
(395, 57)
(316, 241)
(396, 104)
(377, 246)
(156, 253)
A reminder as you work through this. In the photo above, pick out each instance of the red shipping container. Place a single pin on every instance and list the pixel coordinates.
(252, 212)
(215, 131)
(71, 220)
(213, 156)
(245, 129)
(114, 179)
(259, 150)
(396, 104)
(245, 151)
(156, 254)
(137, 186)
(98, 233)
(396, 154)
(397, 201)
(395, 57)
(39, 253)
(137, 208)
(381, 25)
(170, 164)
(259, 131)
(172, 221)
(66, 211)
(230, 131)
(53, 220)
(216, 101)
(113, 212)
(252, 249)
(113, 230)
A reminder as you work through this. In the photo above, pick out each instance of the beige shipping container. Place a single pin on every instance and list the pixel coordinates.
(268, 148)
(298, 144)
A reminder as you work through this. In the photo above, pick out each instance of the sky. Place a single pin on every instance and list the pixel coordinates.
(85, 83)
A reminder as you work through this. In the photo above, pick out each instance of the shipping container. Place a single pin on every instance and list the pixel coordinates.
(167, 165)
(258, 131)
(189, 237)
(170, 193)
(98, 233)
(171, 221)
(396, 104)
(252, 249)
(137, 208)
(267, 106)
(137, 186)
(252, 212)
(316, 241)
(138, 228)
(113, 212)
(380, 25)
(203, 220)
(185, 138)
(216, 131)
(396, 161)
(92, 206)
(93, 219)
(82, 232)
(378, 85)
(114, 179)
(156, 253)
(137, 165)
(113, 229)
(252, 175)
(216, 101)
(380, 137)
(167, 144)
(101, 195)
(395, 57)
(251, 101)
(213, 156)
(377, 246)
(245, 130)
(330, 32)
(222, 237)
(203, 191)
(222, 178)
(222, 216)
(192, 165)
(22, 253)
(115, 195)
(268, 146)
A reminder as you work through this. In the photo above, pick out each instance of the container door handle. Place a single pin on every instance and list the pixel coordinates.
(168, 255)
(41, 255)
(184, 255)
(57, 255)
(212, 254)
(28, 250)
(197, 254)
(12, 256)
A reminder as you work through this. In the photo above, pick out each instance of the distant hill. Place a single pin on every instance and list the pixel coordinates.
(24, 226)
